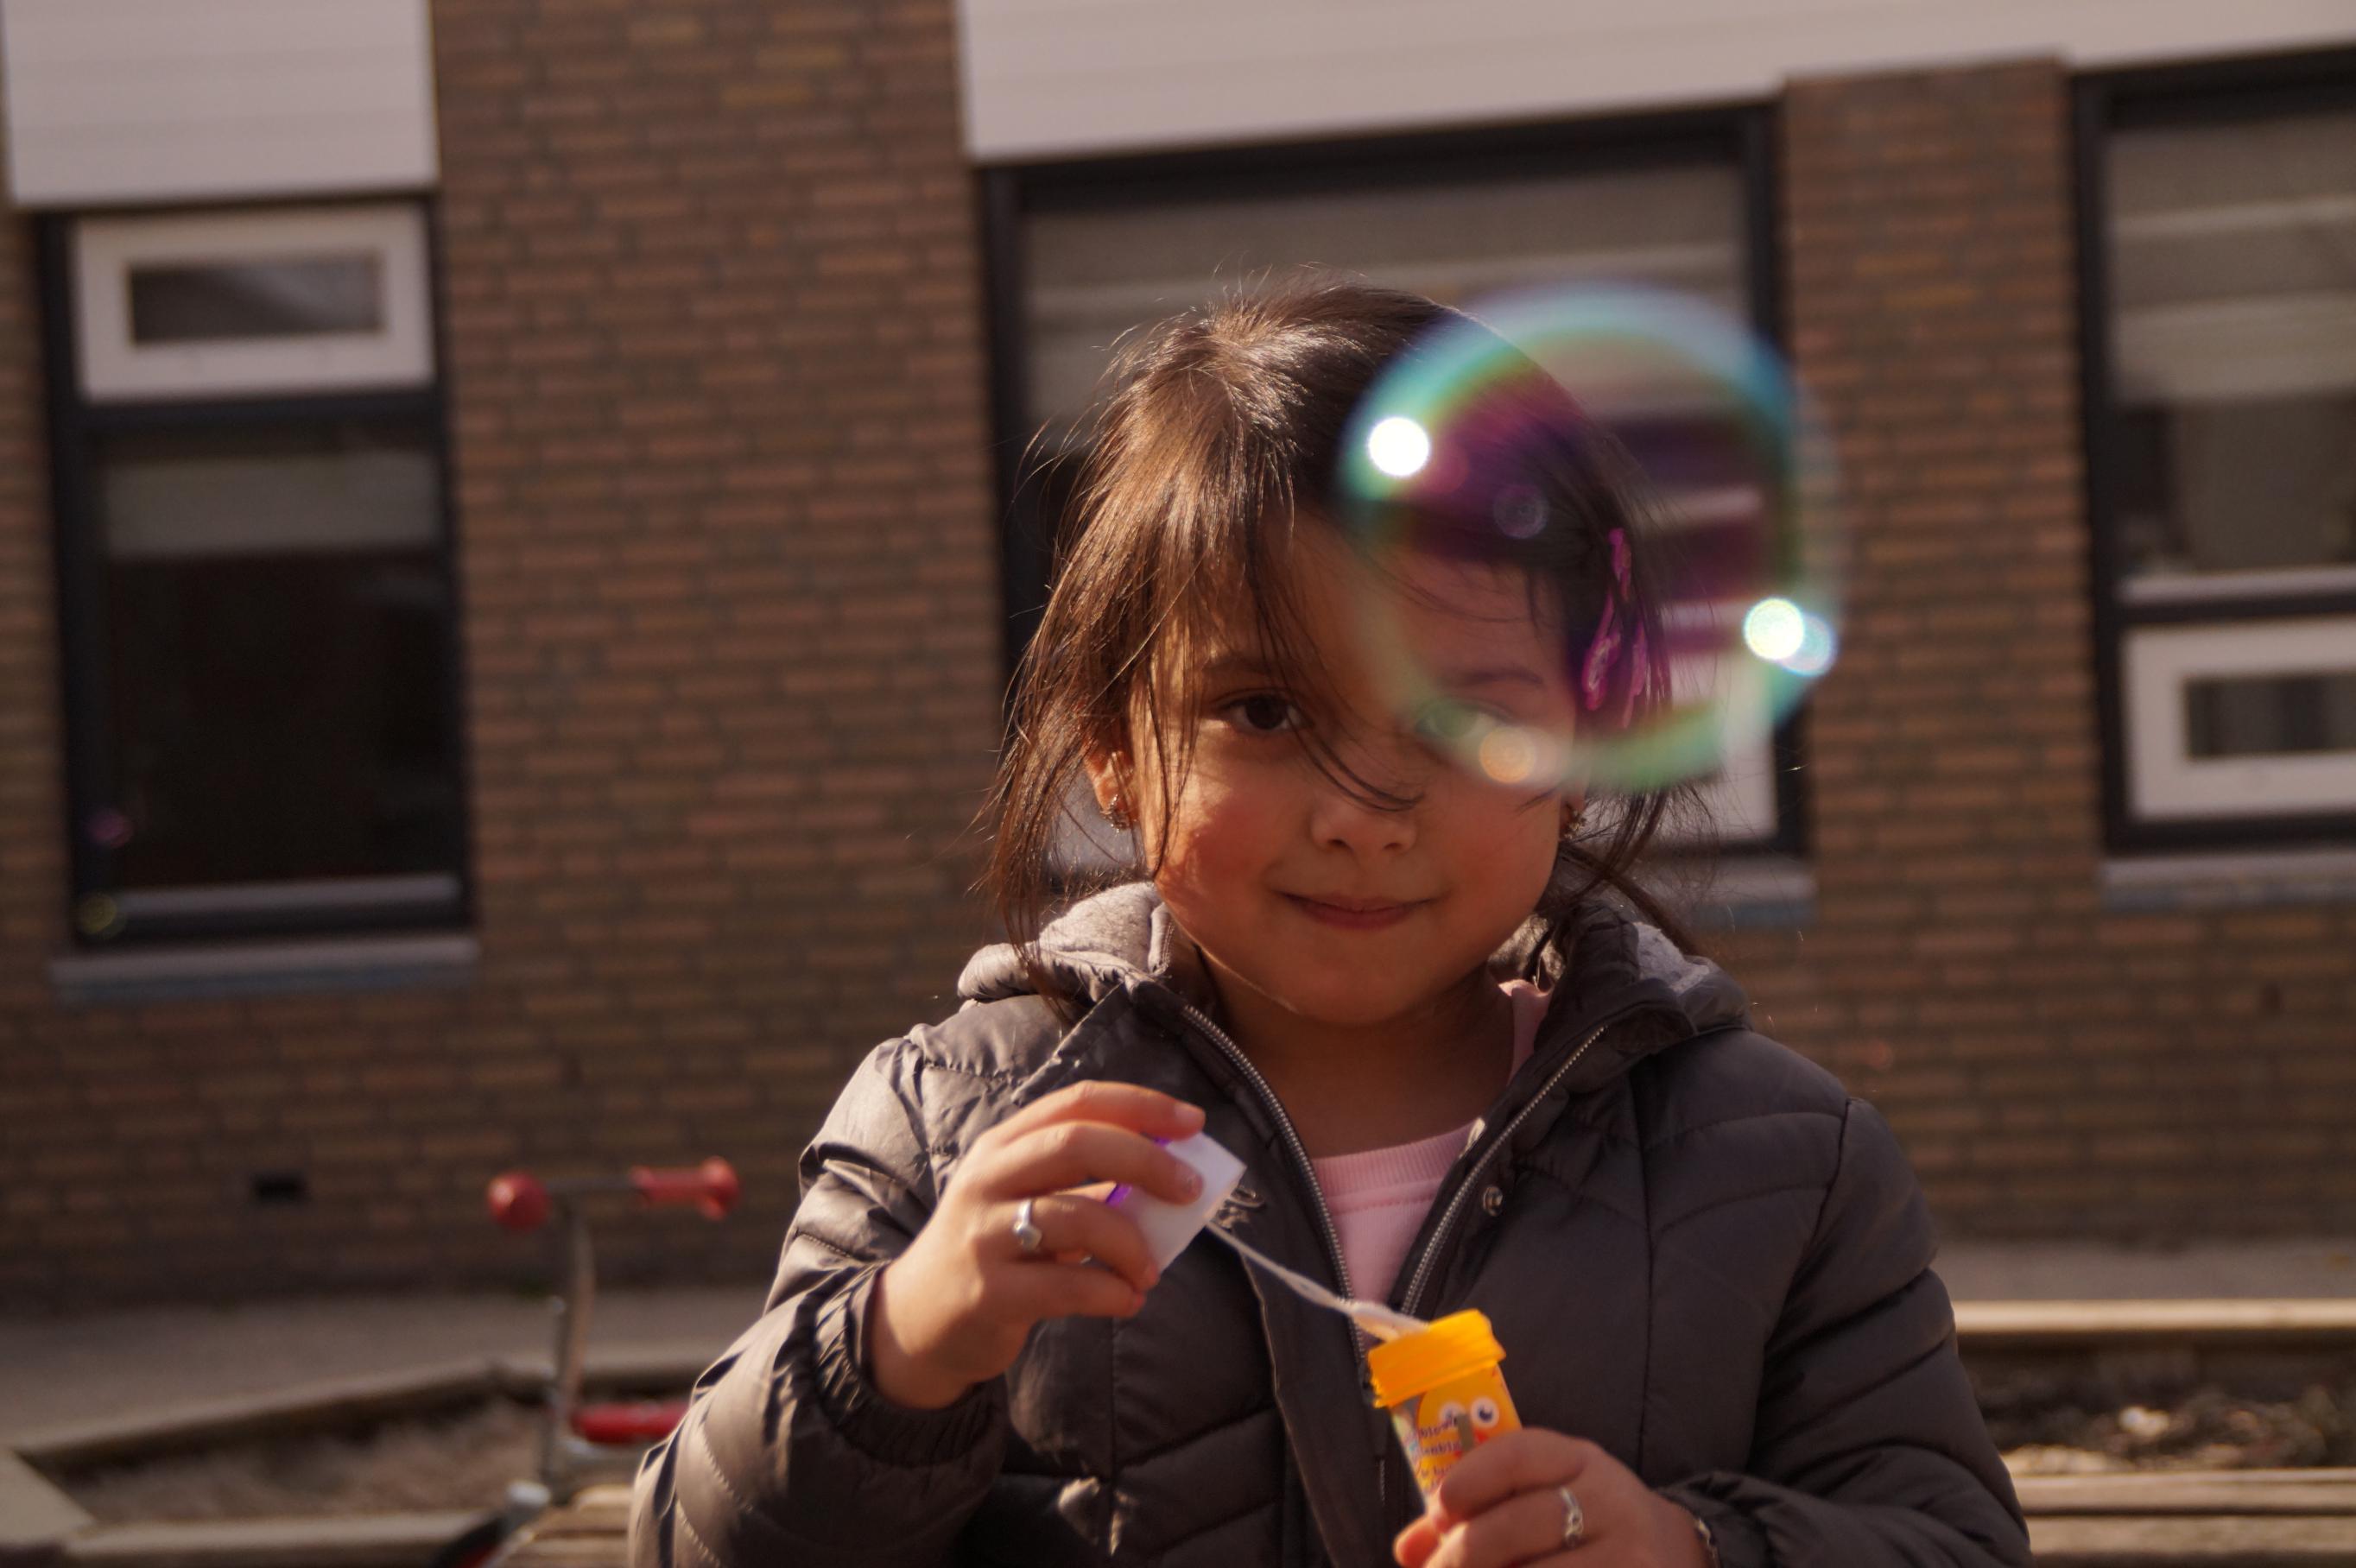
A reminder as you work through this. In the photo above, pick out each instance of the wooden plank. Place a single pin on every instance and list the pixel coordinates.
(342, 1401)
(590, 1532)
(1991, 1324)
(363, 1540)
(2179, 1542)
(34, 1514)
(2155, 1492)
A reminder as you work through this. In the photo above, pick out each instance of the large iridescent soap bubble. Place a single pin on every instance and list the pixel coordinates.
(1649, 451)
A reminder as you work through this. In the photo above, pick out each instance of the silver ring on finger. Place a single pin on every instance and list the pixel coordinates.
(1027, 1234)
(1574, 1519)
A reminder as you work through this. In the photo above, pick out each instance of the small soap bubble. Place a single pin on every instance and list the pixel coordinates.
(98, 915)
(1650, 452)
(108, 828)
(1521, 511)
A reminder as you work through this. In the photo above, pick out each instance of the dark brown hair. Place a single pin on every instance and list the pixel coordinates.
(1225, 432)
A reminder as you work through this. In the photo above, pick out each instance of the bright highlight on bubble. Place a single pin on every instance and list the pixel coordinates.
(1509, 755)
(1399, 447)
(1774, 630)
(1817, 647)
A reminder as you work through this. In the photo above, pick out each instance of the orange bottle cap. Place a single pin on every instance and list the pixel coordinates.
(1454, 1346)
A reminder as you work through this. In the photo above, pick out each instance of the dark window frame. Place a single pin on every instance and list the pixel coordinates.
(75, 425)
(1743, 135)
(2207, 92)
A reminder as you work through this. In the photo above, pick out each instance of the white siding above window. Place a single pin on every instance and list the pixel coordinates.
(134, 101)
(1072, 78)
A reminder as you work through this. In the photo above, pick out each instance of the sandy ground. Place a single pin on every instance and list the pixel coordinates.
(70, 1369)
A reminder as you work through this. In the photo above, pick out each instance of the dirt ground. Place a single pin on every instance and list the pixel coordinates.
(462, 1461)
(2043, 1425)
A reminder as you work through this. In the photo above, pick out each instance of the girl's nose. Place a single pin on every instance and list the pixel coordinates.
(1339, 820)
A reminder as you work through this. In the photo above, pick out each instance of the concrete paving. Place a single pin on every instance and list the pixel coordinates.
(71, 1371)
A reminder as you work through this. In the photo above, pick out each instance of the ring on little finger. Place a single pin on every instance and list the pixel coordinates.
(1574, 1519)
(1027, 1234)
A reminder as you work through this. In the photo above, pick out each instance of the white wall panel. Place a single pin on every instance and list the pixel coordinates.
(1049, 78)
(129, 102)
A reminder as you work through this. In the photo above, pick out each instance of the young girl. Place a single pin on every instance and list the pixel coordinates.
(1416, 1003)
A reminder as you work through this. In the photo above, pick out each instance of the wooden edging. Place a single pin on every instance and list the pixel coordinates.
(336, 1540)
(2151, 1492)
(2179, 1541)
(1995, 1325)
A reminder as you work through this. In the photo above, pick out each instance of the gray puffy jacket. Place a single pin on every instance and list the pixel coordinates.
(1698, 1249)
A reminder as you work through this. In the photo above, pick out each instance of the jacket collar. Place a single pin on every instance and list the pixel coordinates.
(1603, 965)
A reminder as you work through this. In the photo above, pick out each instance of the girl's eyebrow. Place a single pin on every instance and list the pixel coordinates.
(1496, 675)
(1236, 663)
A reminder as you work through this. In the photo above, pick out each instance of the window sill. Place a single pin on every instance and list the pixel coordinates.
(188, 971)
(2229, 880)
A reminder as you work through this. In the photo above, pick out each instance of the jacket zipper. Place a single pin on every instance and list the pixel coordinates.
(1324, 1216)
(1316, 1195)
(1292, 1141)
(1431, 1249)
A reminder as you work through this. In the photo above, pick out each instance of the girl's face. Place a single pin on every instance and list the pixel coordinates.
(1334, 909)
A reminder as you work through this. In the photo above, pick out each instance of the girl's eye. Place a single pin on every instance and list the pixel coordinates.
(1263, 714)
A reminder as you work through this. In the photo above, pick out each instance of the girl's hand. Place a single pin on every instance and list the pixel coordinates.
(955, 1308)
(1502, 1504)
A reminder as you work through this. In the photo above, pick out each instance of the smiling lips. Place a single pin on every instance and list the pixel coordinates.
(1352, 915)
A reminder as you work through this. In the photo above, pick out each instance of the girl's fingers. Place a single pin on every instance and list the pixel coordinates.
(1525, 1528)
(1415, 1545)
(1144, 1111)
(1067, 1290)
(1073, 1154)
(1072, 1226)
(1516, 1462)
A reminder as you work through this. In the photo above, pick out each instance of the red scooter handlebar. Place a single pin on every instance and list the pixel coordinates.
(712, 1187)
(520, 1201)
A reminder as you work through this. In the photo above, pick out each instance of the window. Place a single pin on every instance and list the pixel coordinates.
(254, 560)
(1082, 253)
(2220, 238)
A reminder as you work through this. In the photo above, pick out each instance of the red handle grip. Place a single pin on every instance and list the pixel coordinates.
(518, 1201)
(712, 1187)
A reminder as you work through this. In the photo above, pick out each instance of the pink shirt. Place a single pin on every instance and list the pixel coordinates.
(1378, 1197)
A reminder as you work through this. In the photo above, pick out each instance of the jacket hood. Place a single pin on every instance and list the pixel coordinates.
(1602, 964)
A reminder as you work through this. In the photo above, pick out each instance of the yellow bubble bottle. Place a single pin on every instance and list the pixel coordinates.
(1445, 1392)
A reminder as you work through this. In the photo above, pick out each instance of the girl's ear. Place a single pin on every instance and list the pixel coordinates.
(1108, 774)
(1574, 813)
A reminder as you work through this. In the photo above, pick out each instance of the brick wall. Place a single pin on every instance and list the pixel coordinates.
(712, 308)
(2055, 1069)
(713, 303)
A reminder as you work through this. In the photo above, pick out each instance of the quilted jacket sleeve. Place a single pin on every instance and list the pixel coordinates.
(788, 1456)
(1868, 1448)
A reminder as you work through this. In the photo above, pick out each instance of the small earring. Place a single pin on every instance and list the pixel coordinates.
(1116, 811)
(1574, 819)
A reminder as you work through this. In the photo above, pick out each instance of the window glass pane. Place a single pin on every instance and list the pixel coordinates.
(272, 490)
(2234, 281)
(192, 303)
(1094, 274)
(276, 692)
(2271, 715)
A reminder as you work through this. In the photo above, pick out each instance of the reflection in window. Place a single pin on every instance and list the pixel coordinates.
(224, 301)
(2233, 270)
(2274, 715)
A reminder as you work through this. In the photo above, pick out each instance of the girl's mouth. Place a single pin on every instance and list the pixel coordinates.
(1355, 914)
